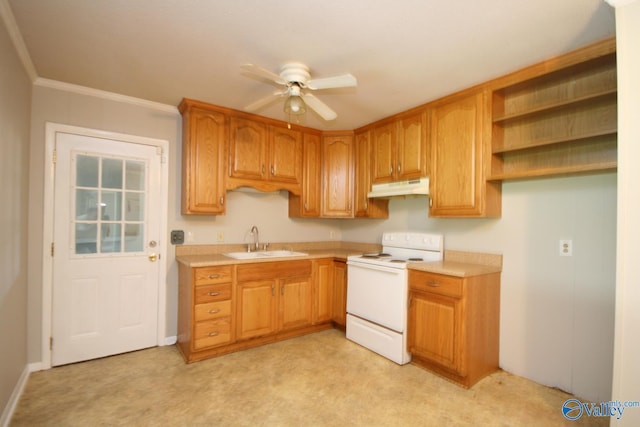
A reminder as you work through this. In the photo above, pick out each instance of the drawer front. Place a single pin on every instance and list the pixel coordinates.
(211, 293)
(435, 283)
(211, 275)
(212, 310)
(212, 332)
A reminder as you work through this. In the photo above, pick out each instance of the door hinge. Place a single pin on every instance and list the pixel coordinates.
(52, 248)
(54, 159)
(50, 343)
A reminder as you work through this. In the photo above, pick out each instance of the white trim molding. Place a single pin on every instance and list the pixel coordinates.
(620, 3)
(16, 37)
(10, 408)
(111, 96)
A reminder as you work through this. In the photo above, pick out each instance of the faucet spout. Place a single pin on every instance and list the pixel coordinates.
(256, 237)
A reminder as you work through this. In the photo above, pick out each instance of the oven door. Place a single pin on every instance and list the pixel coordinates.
(378, 294)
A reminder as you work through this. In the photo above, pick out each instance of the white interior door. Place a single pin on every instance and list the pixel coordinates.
(106, 230)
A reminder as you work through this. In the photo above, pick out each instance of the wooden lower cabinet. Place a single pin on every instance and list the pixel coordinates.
(229, 308)
(454, 324)
(339, 302)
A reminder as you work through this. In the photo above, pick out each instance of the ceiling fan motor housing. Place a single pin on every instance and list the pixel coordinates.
(295, 72)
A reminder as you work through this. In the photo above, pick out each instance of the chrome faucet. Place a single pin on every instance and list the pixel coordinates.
(256, 237)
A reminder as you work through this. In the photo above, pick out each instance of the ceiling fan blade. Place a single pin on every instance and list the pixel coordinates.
(265, 74)
(319, 107)
(263, 102)
(344, 80)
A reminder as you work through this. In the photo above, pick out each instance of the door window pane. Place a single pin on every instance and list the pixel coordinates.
(111, 206)
(86, 205)
(86, 238)
(111, 238)
(134, 175)
(134, 210)
(111, 173)
(133, 238)
(86, 171)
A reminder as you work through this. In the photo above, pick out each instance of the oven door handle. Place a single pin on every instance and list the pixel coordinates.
(375, 267)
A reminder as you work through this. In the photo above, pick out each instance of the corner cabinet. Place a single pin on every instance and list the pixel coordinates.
(558, 117)
(454, 324)
(204, 140)
(337, 176)
(308, 203)
(363, 206)
(460, 158)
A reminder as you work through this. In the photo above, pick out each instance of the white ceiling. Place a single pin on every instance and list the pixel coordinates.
(403, 52)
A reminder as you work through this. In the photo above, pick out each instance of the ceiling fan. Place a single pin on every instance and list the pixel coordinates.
(297, 81)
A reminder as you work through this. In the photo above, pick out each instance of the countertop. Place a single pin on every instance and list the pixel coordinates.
(456, 263)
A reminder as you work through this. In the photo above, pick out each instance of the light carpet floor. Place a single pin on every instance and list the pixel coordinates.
(320, 379)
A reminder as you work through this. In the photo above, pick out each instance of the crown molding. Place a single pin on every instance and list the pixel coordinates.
(16, 37)
(620, 3)
(111, 96)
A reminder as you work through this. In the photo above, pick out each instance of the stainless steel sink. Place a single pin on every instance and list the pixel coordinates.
(264, 254)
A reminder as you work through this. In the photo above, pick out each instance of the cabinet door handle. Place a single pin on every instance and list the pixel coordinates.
(213, 276)
(433, 284)
(214, 334)
(214, 311)
(273, 170)
(213, 294)
(262, 169)
(391, 170)
(222, 200)
(306, 206)
(399, 167)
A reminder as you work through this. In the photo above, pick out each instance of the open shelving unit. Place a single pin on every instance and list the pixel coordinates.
(557, 118)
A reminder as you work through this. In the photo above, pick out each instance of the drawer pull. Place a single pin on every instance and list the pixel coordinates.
(213, 294)
(214, 334)
(213, 276)
(433, 284)
(214, 311)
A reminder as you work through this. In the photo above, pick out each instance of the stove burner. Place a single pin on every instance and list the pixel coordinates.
(383, 254)
(397, 260)
(371, 256)
(416, 259)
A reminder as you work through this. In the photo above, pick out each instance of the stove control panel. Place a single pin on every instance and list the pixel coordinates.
(413, 240)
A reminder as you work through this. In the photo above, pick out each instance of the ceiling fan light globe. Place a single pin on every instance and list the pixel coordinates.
(294, 105)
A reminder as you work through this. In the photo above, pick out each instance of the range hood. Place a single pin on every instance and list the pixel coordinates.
(412, 187)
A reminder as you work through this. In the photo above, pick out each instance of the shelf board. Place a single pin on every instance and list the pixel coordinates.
(554, 141)
(549, 172)
(550, 107)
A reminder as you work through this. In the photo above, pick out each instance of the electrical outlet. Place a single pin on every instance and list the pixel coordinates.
(220, 236)
(566, 248)
(177, 237)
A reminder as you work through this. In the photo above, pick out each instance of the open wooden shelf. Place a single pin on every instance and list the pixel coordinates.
(560, 122)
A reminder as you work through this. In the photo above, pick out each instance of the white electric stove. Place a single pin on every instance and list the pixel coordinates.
(377, 291)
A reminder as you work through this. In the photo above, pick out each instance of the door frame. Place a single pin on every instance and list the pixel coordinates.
(51, 130)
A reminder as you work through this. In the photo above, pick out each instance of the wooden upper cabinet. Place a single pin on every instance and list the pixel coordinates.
(337, 176)
(383, 147)
(412, 147)
(460, 156)
(308, 203)
(247, 149)
(265, 157)
(363, 206)
(285, 155)
(399, 149)
(204, 139)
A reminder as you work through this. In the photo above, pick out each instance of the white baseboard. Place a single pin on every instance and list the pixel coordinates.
(170, 340)
(7, 413)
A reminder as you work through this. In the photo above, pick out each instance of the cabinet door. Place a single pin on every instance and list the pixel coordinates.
(363, 206)
(412, 148)
(383, 153)
(285, 155)
(337, 183)
(435, 329)
(323, 291)
(457, 158)
(257, 308)
(248, 149)
(295, 303)
(340, 293)
(203, 182)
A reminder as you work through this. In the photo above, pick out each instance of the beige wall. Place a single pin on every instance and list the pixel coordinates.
(15, 102)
